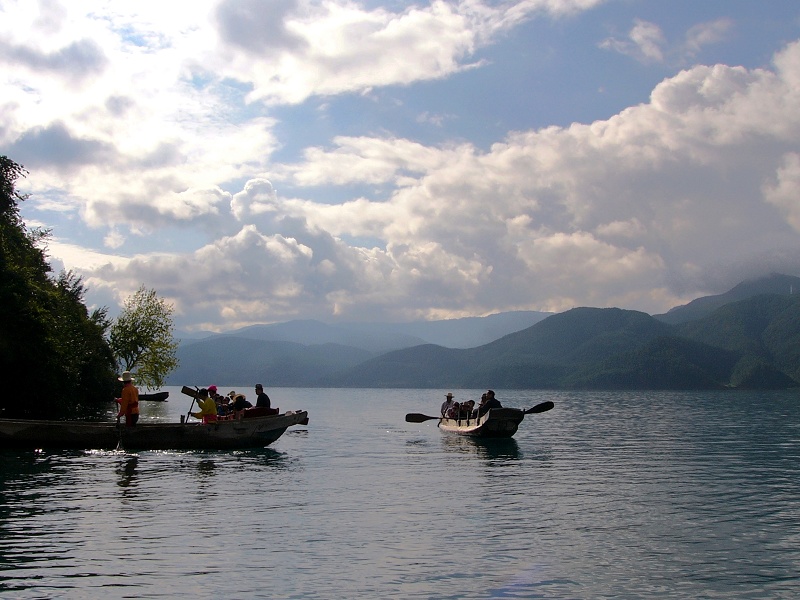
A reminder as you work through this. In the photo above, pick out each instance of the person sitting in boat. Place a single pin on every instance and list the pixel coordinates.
(454, 411)
(261, 397)
(467, 408)
(491, 402)
(447, 404)
(240, 402)
(224, 407)
(207, 406)
(214, 394)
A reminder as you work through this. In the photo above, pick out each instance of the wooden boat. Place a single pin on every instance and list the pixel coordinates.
(154, 397)
(254, 432)
(496, 423)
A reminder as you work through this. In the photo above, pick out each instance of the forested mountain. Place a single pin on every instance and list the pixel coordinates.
(243, 362)
(753, 343)
(775, 283)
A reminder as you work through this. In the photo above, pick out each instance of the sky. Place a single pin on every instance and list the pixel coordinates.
(259, 161)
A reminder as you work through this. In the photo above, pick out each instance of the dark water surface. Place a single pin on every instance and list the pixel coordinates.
(609, 495)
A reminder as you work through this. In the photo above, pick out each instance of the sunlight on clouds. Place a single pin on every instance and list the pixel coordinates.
(113, 239)
(362, 160)
(785, 194)
(336, 47)
(82, 259)
(145, 118)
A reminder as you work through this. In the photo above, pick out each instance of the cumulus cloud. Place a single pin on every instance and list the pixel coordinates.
(689, 190)
(76, 61)
(630, 212)
(785, 192)
(290, 50)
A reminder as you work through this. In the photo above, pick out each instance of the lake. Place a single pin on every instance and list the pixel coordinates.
(608, 495)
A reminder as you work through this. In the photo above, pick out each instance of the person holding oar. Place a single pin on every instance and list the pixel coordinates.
(129, 402)
(208, 408)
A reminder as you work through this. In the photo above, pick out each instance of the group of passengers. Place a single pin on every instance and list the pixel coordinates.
(466, 410)
(214, 406)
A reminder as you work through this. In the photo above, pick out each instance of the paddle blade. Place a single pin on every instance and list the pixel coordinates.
(190, 392)
(418, 418)
(540, 408)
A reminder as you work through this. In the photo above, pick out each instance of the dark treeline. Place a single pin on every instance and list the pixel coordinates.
(54, 358)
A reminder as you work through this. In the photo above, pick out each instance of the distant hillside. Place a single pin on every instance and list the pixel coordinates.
(595, 348)
(382, 337)
(538, 357)
(752, 342)
(763, 331)
(228, 360)
(468, 332)
(310, 332)
(702, 307)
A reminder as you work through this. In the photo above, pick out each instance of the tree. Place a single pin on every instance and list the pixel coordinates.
(141, 338)
(48, 340)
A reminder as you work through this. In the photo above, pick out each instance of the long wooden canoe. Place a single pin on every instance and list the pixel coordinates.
(254, 432)
(495, 423)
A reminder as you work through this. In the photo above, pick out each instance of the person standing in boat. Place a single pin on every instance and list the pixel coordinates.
(262, 399)
(129, 402)
(491, 402)
(447, 404)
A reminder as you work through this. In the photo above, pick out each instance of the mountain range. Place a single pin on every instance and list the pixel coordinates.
(748, 337)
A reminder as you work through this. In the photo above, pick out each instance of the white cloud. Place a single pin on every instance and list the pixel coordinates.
(611, 213)
(292, 50)
(647, 43)
(785, 193)
(157, 138)
(644, 43)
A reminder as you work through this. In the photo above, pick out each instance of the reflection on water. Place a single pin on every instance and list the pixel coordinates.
(491, 449)
(206, 467)
(607, 496)
(127, 472)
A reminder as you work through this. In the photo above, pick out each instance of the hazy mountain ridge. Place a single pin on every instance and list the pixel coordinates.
(774, 283)
(752, 343)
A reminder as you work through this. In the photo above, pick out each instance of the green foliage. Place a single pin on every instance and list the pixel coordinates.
(141, 338)
(667, 363)
(754, 373)
(48, 340)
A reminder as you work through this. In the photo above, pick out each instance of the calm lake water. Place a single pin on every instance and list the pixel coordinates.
(608, 495)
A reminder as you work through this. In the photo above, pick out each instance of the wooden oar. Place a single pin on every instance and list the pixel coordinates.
(119, 435)
(420, 418)
(540, 408)
(194, 394)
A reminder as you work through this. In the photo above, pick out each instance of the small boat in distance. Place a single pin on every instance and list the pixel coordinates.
(154, 397)
(495, 423)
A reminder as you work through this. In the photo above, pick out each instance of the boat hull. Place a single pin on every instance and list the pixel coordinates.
(154, 397)
(255, 432)
(497, 423)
